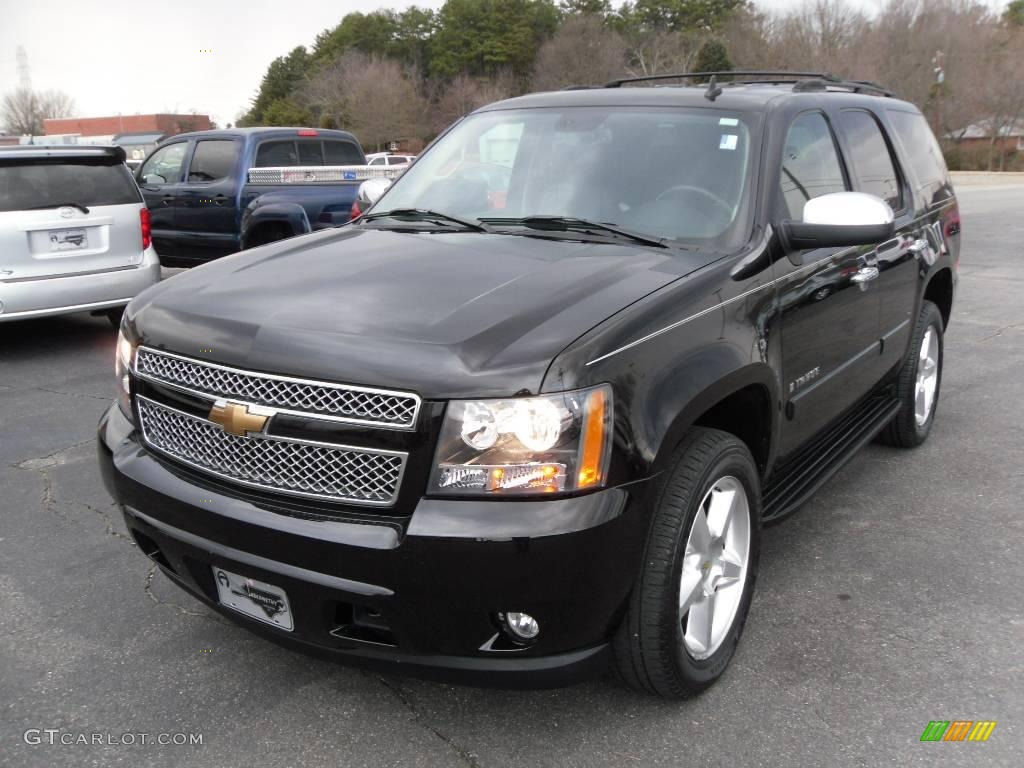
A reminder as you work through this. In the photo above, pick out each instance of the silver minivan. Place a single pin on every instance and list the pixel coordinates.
(74, 232)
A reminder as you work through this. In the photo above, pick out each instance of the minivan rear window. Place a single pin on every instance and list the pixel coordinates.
(45, 182)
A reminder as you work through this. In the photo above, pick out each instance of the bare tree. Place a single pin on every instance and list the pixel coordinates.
(462, 95)
(584, 51)
(653, 52)
(370, 96)
(24, 110)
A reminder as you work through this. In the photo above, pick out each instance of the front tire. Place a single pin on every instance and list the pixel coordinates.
(918, 383)
(692, 596)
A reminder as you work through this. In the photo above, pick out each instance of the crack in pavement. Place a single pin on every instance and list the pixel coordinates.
(148, 589)
(49, 459)
(74, 394)
(999, 332)
(461, 752)
(49, 499)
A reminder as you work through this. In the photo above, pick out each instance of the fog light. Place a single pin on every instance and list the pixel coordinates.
(522, 625)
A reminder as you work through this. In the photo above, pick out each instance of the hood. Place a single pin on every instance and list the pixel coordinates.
(442, 314)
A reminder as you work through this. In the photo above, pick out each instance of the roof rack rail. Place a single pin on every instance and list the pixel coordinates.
(803, 81)
(775, 76)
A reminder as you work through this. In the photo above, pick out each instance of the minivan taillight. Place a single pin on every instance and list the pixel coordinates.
(147, 228)
(356, 211)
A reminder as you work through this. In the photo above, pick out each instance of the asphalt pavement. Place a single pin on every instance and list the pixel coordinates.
(892, 599)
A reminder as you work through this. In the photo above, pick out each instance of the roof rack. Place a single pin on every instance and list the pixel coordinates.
(803, 81)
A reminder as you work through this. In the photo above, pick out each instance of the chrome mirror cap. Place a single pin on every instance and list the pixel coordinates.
(371, 190)
(845, 209)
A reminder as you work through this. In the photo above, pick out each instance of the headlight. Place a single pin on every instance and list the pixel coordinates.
(122, 366)
(525, 445)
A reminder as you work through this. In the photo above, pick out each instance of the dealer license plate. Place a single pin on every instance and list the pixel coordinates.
(254, 598)
(68, 239)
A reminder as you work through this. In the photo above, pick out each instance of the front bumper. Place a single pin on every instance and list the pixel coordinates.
(65, 294)
(434, 581)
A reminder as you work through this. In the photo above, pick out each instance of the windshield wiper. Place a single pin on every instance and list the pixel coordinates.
(572, 224)
(424, 214)
(79, 206)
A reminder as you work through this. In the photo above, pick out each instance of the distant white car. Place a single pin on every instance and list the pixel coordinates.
(386, 158)
(74, 232)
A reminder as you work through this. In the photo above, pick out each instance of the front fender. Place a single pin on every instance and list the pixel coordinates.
(257, 214)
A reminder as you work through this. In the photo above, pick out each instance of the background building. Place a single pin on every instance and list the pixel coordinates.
(118, 124)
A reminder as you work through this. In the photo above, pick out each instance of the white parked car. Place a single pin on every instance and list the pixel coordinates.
(386, 158)
(74, 232)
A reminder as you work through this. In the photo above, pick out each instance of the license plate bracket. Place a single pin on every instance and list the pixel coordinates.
(254, 598)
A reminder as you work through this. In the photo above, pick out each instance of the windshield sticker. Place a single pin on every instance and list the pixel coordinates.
(728, 141)
(728, 121)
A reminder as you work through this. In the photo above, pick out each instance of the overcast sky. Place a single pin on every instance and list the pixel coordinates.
(117, 57)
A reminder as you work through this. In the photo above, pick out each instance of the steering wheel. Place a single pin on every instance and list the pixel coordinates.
(715, 199)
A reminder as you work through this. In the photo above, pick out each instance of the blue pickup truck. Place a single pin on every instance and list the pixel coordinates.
(211, 193)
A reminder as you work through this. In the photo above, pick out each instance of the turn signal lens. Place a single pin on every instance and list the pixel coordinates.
(594, 439)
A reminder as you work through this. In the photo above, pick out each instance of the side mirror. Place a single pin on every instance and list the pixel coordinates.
(839, 219)
(371, 190)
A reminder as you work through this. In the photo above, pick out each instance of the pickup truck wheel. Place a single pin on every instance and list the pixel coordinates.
(691, 598)
(917, 386)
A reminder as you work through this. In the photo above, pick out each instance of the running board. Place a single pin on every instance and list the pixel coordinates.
(811, 468)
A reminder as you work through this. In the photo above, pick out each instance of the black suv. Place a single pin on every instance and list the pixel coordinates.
(527, 416)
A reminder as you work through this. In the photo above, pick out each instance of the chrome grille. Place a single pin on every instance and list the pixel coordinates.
(304, 397)
(296, 467)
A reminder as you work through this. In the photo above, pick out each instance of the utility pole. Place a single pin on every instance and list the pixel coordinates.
(24, 74)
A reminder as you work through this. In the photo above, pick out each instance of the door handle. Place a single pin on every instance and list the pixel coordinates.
(864, 274)
(166, 199)
(918, 246)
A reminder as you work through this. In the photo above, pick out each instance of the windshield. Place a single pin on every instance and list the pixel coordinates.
(680, 174)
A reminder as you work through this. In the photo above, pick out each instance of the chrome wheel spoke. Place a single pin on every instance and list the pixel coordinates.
(700, 624)
(732, 570)
(720, 510)
(700, 537)
(691, 586)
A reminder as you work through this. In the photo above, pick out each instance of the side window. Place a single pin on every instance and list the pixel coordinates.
(164, 166)
(376, 161)
(921, 148)
(275, 154)
(872, 162)
(214, 159)
(810, 163)
(398, 161)
(342, 153)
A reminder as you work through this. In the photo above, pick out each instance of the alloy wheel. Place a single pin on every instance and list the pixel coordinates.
(927, 376)
(714, 568)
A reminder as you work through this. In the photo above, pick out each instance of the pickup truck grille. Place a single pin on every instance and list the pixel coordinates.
(285, 465)
(301, 397)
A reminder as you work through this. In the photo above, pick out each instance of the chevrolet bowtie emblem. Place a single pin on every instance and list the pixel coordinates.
(238, 419)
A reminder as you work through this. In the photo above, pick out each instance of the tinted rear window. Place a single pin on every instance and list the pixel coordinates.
(342, 153)
(291, 152)
(53, 181)
(921, 148)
